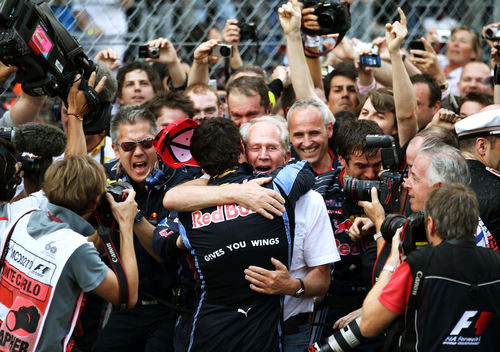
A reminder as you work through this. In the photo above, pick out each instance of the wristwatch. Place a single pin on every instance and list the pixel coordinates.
(301, 290)
(377, 236)
(138, 216)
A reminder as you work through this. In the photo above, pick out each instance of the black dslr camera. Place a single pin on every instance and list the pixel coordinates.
(48, 57)
(388, 185)
(248, 31)
(413, 233)
(333, 17)
(103, 214)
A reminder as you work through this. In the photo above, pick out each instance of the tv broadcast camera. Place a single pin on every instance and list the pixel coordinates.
(390, 180)
(47, 56)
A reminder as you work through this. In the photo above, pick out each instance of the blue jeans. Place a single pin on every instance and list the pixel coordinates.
(297, 342)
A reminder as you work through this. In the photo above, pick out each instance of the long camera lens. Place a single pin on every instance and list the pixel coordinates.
(391, 224)
(356, 190)
(341, 341)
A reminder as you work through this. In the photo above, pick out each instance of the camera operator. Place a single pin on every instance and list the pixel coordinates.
(445, 294)
(40, 306)
(96, 144)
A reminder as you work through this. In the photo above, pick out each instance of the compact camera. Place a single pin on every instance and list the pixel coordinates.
(146, 51)
(371, 59)
(443, 35)
(492, 34)
(224, 50)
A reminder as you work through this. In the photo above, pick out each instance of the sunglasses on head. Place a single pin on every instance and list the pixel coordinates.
(145, 143)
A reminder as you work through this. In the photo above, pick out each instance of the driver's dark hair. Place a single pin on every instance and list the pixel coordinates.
(216, 145)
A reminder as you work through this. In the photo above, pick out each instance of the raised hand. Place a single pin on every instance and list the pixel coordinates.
(290, 17)
(395, 33)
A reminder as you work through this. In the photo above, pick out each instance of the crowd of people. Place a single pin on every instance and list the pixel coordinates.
(349, 208)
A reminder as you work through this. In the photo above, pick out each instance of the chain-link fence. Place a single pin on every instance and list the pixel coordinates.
(125, 24)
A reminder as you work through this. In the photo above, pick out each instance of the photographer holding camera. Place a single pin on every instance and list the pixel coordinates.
(133, 129)
(348, 286)
(434, 165)
(445, 294)
(48, 263)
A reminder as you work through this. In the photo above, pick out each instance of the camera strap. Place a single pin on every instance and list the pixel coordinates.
(116, 264)
(418, 269)
(401, 335)
(91, 97)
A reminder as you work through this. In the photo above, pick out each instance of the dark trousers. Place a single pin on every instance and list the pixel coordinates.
(144, 328)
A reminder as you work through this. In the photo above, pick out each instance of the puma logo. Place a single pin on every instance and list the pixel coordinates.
(243, 312)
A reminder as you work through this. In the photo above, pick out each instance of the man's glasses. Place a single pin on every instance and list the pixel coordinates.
(145, 143)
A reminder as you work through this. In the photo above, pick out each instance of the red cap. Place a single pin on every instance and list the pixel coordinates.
(172, 143)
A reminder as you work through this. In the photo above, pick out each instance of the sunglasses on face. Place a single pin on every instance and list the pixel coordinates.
(145, 143)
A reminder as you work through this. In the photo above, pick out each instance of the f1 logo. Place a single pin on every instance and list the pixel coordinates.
(464, 322)
(467, 319)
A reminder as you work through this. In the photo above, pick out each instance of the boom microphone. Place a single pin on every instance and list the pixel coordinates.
(39, 139)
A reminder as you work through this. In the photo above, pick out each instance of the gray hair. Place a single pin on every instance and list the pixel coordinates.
(304, 103)
(130, 115)
(277, 121)
(454, 209)
(447, 165)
